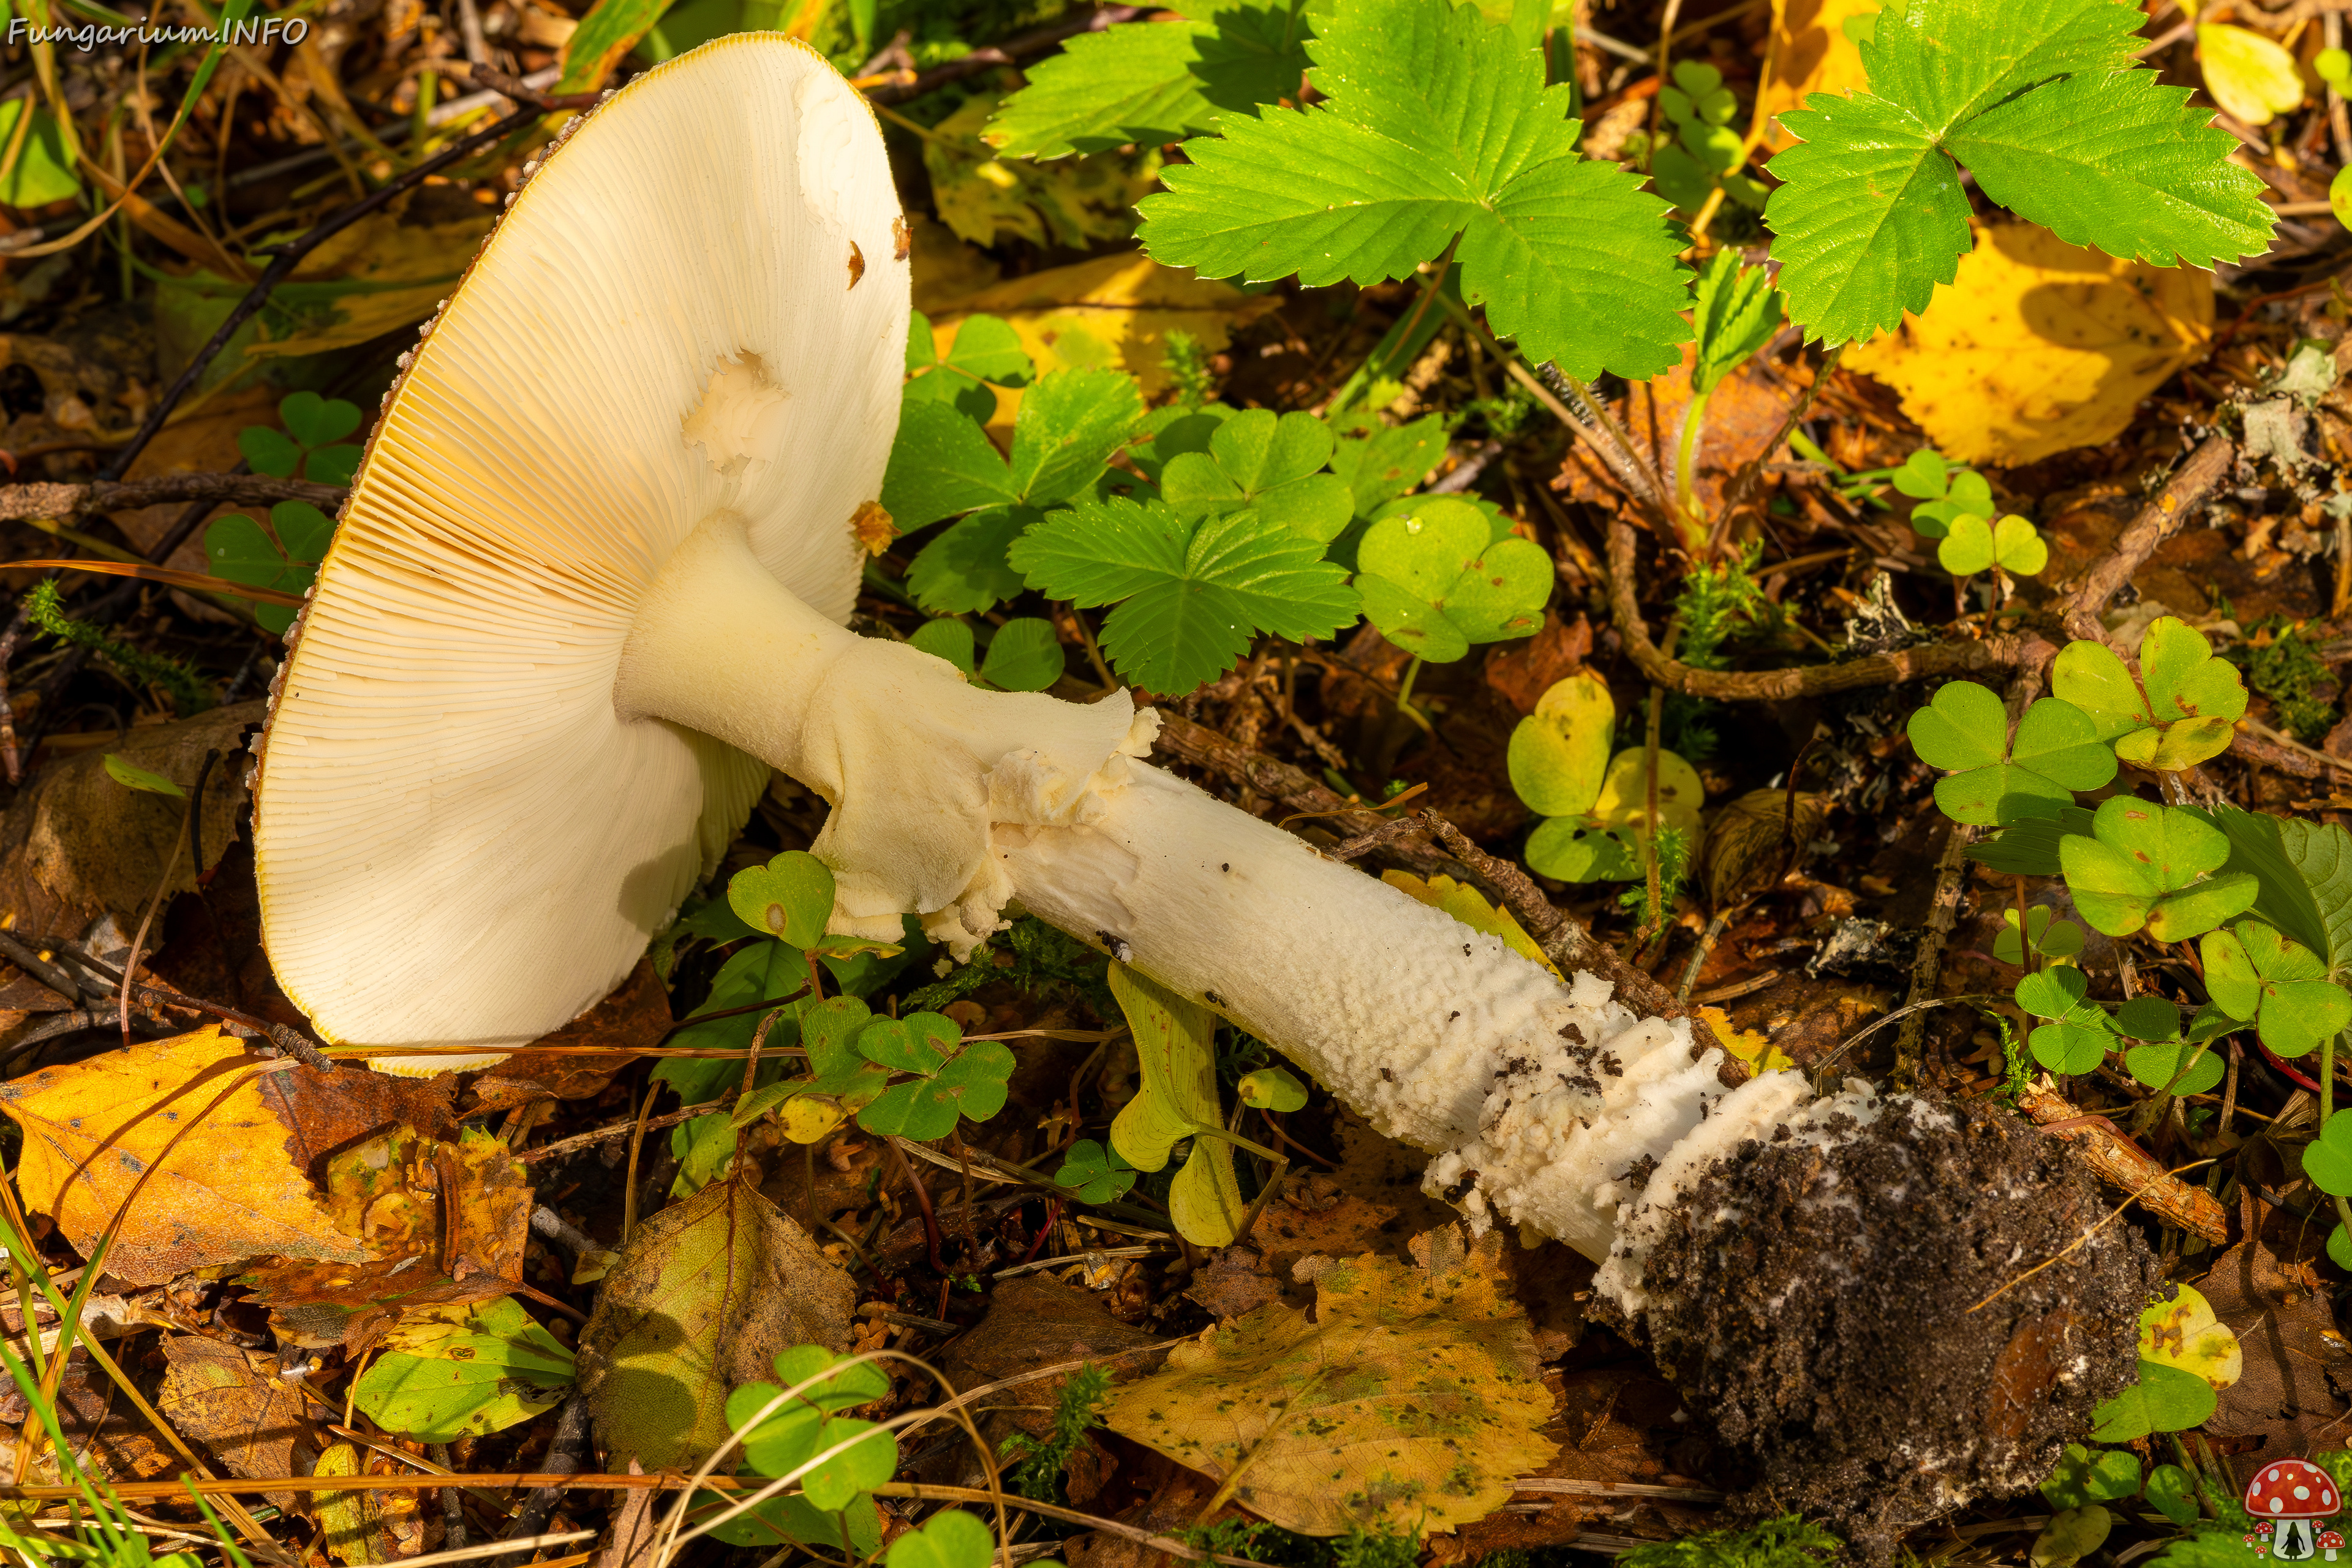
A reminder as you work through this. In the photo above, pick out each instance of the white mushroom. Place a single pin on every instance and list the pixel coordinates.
(589, 587)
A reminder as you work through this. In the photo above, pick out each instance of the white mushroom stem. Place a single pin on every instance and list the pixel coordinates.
(1540, 1099)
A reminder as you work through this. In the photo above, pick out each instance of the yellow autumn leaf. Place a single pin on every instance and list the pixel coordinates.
(2038, 346)
(807, 1118)
(2250, 75)
(1411, 1397)
(1751, 1045)
(1624, 800)
(1175, 1046)
(1560, 754)
(2184, 1333)
(1811, 52)
(1067, 202)
(1116, 311)
(1469, 905)
(228, 1189)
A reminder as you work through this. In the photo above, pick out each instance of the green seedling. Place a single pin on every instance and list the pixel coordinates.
(1735, 313)
(986, 354)
(285, 555)
(1272, 1088)
(2256, 975)
(2165, 1399)
(1965, 731)
(1438, 133)
(312, 443)
(790, 897)
(833, 1505)
(2168, 1048)
(2153, 866)
(1435, 581)
(1707, 149)
(1097, 1174)
(2180, 711)
(1945, 494)
(2079, 1034)
(1189, 595)
(2050, 937)
(1023, 655)
(2092, 1475)
(1272, 466)
(2328, 1158)
(2009, 548)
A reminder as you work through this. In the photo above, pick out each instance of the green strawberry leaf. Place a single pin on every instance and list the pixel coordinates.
(1154, 82)
(1437, 125)
(963, 570)
(942, 463)
(1965, 731)
(2152, 865)
(1190, 596)
(2046, 108)
(1432, 583)
(2256, 975)
(1736, 311)
(1069, 425)
(1272, 466)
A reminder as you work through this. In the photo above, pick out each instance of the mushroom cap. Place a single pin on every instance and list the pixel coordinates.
(2292, 1488)
(698, 302)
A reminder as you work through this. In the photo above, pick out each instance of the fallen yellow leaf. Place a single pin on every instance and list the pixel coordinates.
(1469, 905)
(1812, 53)
(228, 1190)
(1069, 202)
(2183, 1333)
(1751, 1045)
(1412, 1397)
(2038, 346)
(2249, 76)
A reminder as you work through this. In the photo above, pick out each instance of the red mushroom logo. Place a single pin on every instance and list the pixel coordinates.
(2293, 1494)
(2330, 1543)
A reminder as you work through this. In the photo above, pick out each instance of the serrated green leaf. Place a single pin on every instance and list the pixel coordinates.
(1735, 313)
(2150, 865)
(1153, 82)
(1272, 466)
(2041, 101)
(1436, 124)
(942, 463)
(1025, 655)
(1190, 596)
(964, 569)
(2258, 976)
(1069, 425)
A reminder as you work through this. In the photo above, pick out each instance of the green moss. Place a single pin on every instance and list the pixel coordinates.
(189, 691)
(1788, 1541)
(2284, 667)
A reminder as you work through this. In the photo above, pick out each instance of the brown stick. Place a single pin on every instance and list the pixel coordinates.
(2124, 1165)
(2157, 521)
(18, 502)
(1969, 658)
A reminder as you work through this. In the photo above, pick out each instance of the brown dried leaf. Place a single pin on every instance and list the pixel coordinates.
(76, 844)
(1521, 672)
(1743, 413)
(1411, 1397)
(225, 1192)
(632, 1019)
(234, 1403)
(327, 1113)
(2282, 1323)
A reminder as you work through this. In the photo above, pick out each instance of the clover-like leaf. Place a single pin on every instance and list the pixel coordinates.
(965, 567)
(790, 897)
(2092, 1475)
(1575, 849)
(2165, 1399)
(1272, 1088)
(2167, 1049)
(2185, 1332)
(970, 1083)
(948, 1539)
(2079, 1034)
(2178, 711)
(2172, 1492)
(1096, 1173)
(2258, 976)
(796, 1432)
(2328, 1158)
(1975, 545)
(1921, 475)
(1436, 125)
(2050, 939)
(1190, 596)
(1560, 754)
(2152, 865)
(285, 557)
(1965, 731)
(917, 1043)
(1273, 464)
(1434, 585)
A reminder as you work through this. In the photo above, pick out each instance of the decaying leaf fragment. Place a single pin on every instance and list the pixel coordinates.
(234, 1403)
(704, 1296)
(1411, 1397)
(2037, 346)
(227, 1190)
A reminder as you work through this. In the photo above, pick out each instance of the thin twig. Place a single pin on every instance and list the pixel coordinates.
(19, 502)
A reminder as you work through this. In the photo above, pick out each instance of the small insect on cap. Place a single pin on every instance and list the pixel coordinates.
(2292, 1488)
(697, 305)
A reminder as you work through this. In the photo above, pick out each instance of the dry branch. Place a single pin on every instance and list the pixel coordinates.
(2125, 1166)
(19, 502)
